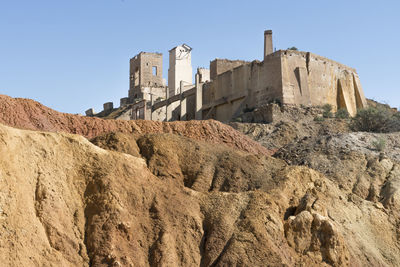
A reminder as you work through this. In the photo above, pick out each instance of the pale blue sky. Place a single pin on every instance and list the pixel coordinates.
(74, 54)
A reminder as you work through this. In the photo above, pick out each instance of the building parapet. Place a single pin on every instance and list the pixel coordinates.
(108, 106)
(124, 101)
(89, 112)
(304, 54)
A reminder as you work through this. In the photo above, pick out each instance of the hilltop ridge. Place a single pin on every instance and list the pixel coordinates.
(29, 114)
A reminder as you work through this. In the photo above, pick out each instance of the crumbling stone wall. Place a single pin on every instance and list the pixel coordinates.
(139, 110)
(145, 71)
(156, 92)
(159, 114)
(219, 66)
(204, 75)
(191, 104)
(265, 82)
(310, 79)
(287, 77)
(244, 87)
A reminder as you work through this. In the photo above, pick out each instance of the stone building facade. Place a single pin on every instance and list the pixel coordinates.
(231, 87)
(146, 76)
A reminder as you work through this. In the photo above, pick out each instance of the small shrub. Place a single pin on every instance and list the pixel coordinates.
(327, 108)
(372, 119)
(319, 118)
(238, 119)
(379, 144)
(393, 125)
(293, 48)
(342, 114)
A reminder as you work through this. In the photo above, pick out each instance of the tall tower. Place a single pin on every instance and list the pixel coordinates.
(268, 46)
(180, 68)
(145, 70)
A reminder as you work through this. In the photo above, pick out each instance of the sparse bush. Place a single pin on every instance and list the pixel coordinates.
(373, 119)
(342, 114)
(319, 118)
(238, 119)
(379, 144)
(327, 108)
(293, 48)
(394, 123)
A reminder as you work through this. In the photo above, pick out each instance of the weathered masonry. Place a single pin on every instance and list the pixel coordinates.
(231, 87)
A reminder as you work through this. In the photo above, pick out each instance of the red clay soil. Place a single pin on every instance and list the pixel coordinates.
(29, 114)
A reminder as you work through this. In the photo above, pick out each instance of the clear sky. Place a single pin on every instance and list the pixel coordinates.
(74, 54)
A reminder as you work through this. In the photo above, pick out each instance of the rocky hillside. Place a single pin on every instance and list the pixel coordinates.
(28, 114)
(176, 202)
(354, 161)
(163, 199)
(291, 124)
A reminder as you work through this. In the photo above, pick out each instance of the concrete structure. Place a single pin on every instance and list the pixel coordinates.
(230, 87)
(180, 68)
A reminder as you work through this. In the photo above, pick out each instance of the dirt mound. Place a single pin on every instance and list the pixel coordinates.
(29, 114)
(117, 141)
(195, 164)
(312, 212)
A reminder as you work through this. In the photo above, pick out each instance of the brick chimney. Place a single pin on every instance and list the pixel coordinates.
(268, 47)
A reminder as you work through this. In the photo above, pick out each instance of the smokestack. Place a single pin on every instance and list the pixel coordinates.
(268, 47)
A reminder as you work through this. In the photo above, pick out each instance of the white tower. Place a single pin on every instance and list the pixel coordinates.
(180, 68)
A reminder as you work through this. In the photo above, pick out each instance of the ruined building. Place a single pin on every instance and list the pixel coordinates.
(231, 87)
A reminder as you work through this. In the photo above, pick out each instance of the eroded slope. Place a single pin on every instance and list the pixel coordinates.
(291, 209)
(28, 114)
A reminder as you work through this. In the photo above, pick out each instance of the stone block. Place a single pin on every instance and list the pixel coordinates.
(89, 112)
(124, 101)
(108, 106)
